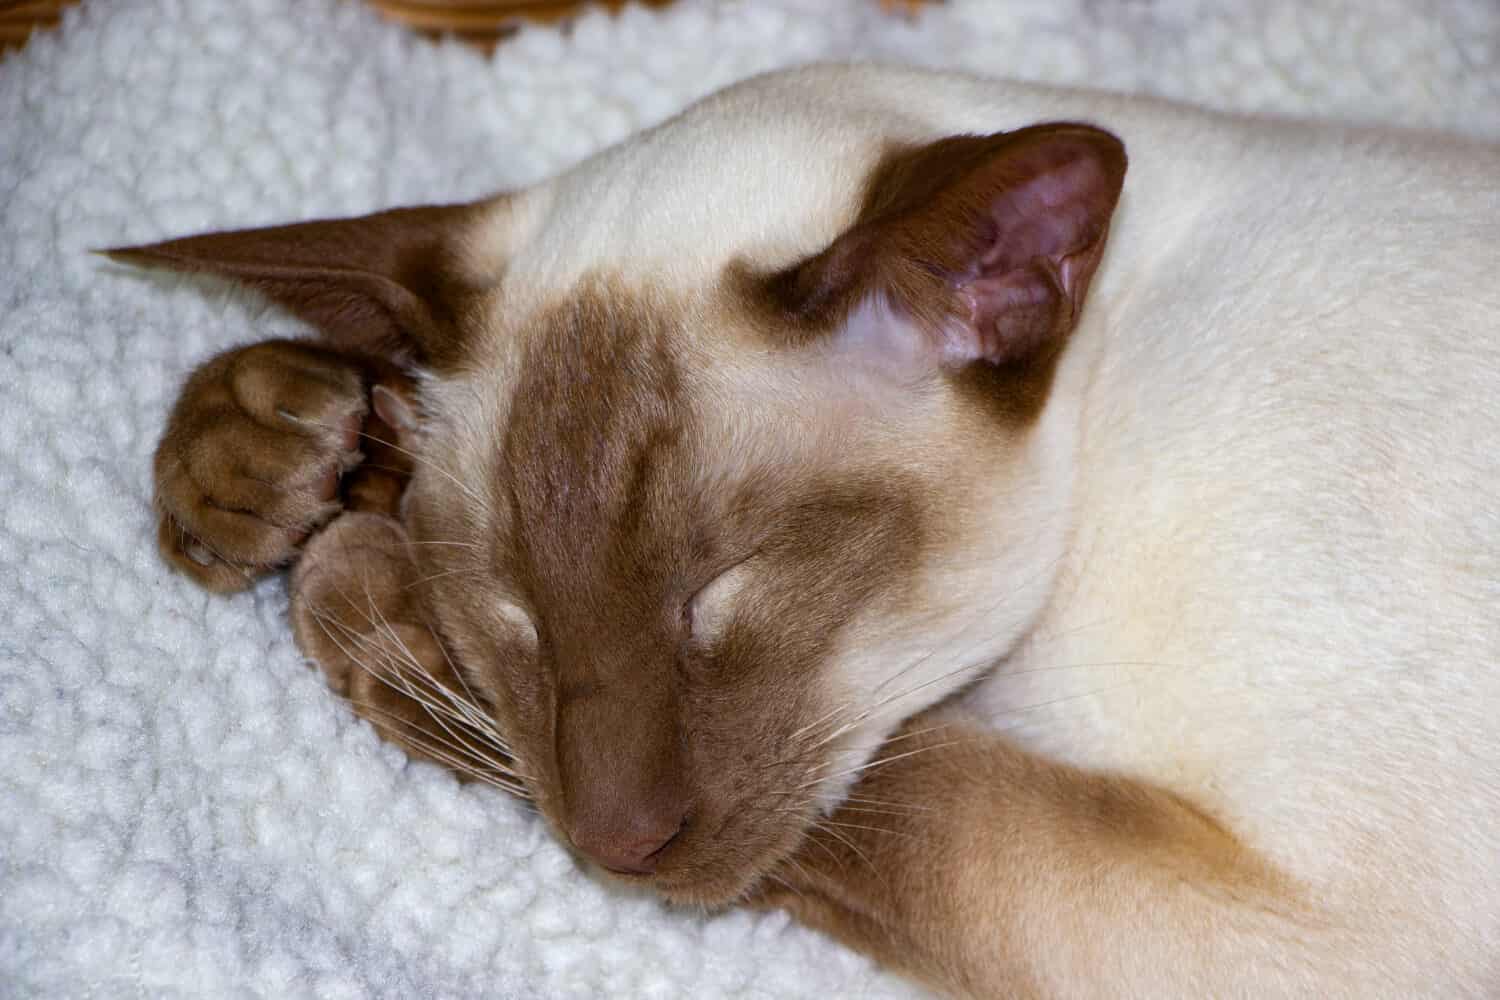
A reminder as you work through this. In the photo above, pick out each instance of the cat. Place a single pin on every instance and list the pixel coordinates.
(1045, 540)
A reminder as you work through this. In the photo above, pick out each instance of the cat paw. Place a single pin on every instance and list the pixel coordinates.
(252, 456)
(356, 614)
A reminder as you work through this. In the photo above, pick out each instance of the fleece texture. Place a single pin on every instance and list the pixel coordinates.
(185, 809)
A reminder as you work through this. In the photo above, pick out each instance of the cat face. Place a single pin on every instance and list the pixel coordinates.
(734, 450)
(665, 612)
(674, 554)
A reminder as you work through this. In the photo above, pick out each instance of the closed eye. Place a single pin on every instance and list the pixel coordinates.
(707, 612)
(516, 620)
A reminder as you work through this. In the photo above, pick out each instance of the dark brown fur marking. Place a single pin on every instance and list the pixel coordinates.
(925, 218)
(386, 284)
(610, 533)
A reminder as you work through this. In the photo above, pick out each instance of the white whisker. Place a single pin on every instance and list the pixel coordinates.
(438, 576)
(419, 459)
(879, 762)
(460, 710)
(396, 680)
(467, 760)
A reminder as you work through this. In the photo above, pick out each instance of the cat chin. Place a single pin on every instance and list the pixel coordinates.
(715, 891)
(711, 888)
(713, 880)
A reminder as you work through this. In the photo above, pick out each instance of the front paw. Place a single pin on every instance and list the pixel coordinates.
(251, 459)
(356, 614)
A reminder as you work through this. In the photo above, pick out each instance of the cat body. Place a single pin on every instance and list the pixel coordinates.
(1278, 594)
(1142, 645)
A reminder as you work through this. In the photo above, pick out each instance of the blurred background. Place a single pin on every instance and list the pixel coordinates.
(477, 22)
(185, 809)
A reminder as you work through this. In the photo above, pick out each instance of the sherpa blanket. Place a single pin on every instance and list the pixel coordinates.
(185, 809)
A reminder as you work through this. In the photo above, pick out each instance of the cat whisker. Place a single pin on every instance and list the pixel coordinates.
(391, 677)
(468, 760)
(828, 824)
(797, 865)
(467, 715)
(845, 807)
(839, 727)
(881, 762)
(798, 757)
(490, 725)
(382, 468)
(883, 746)
(1041, 641)
(781, 882)
(973, 621)
(877, 706)
(1051, 702)
(468, 491)
(815, 723)
(440, 703)
(827, 850)
(818, 841)
(466, 708)
(468, 570)
(822, 826)
(887, 803)
(463, 710)
(497, 772)
(459, 742)
(913, 734)
(448, 760)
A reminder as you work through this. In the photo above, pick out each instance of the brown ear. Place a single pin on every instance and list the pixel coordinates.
(387, 284)
(986, 244)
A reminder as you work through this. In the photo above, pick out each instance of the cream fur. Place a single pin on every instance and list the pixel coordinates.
(1249, 552)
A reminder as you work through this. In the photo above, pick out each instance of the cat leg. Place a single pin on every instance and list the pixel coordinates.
(251, 458)
(357, 614)
(987, 871)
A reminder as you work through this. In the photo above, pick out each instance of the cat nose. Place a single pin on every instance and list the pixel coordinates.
(630, 844)
(626, 793)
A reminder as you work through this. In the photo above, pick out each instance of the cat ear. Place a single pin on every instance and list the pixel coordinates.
(386, 284)
(984, 245)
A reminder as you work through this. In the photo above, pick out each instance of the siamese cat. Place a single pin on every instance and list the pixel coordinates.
(867, 495)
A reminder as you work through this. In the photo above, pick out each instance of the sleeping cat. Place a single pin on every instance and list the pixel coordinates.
(864, 494)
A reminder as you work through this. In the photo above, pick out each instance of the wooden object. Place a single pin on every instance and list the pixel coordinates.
(19, 18)
(481, 22)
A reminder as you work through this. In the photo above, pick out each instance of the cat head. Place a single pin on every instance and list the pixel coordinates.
(734, 447)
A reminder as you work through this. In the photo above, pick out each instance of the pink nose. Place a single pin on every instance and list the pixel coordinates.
(628, 845)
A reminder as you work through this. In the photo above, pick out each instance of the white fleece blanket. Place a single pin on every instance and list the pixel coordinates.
(185, 810)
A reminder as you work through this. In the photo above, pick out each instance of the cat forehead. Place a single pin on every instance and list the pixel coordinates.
(664, 211)
(766, 171)
(617, 385)
(618, 399)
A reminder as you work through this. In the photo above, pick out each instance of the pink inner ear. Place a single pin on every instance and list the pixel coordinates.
(1049, 214)
(1035, 250)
